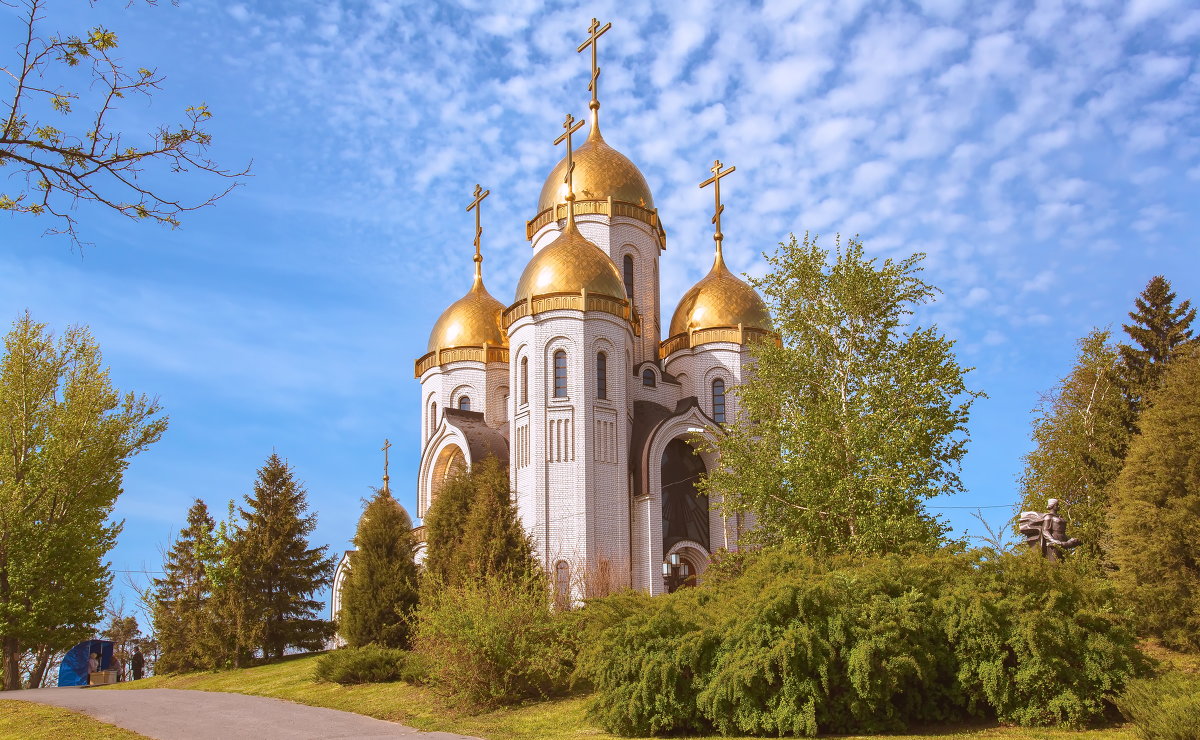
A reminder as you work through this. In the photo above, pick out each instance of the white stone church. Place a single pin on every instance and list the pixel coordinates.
(573, 382)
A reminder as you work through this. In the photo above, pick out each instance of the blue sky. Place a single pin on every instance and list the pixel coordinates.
(1046, 157)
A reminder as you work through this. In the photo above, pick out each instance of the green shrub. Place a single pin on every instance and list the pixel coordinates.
(793, 645)
(1164, 708)
(369, 664)
(495, 640)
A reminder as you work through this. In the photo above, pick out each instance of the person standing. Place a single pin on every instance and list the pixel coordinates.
(138, 663)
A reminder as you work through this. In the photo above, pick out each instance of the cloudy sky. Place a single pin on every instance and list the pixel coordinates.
(1045, 156)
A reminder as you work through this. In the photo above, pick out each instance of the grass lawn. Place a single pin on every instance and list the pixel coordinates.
(420, 707)
(24, 720)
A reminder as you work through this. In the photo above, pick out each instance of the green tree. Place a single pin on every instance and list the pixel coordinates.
(1080, 435)
(276, 570)
(76, 82)
(1155, 512)
(379, 594)
(1159, 328)
(444, 524)
(66, 438)
(181, 600)
(855, 418)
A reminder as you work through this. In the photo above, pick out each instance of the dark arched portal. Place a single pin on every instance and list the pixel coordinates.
(685, 513)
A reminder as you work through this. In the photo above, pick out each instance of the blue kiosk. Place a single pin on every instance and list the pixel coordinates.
(74, 668)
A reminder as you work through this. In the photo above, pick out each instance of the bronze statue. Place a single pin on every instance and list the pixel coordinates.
(1047, 532)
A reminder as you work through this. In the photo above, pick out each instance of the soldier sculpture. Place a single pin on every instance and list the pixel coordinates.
(1047, 532)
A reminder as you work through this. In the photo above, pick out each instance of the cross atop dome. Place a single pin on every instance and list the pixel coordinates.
(479, 194)
(715, 181)
(571, 127)
(596, 32)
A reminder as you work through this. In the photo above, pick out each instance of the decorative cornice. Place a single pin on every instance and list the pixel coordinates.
(445, 356)
(730, 334)
(607, 207)
(581, 301)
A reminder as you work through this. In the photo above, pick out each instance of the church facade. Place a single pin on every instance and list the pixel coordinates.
(604, 415)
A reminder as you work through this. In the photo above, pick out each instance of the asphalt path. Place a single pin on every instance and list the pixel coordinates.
(175, 714)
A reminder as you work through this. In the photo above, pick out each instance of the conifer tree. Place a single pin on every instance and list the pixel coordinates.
(379, 594)
(493, 541)
(1080, 435)
(278, 572)
(1155, 513)
(1159, 327)
(444, 524)
(182, 598)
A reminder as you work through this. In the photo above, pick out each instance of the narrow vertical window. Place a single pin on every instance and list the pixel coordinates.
(432, 417)
(562, 584)
(464, 403)
(524, 380)
(601, 375)
(648, 378)
(628, 265)
(560, 374)
(718, 398)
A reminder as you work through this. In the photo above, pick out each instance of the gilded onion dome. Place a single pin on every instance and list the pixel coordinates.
(570, 264)
(600, 172)
(720, 299)
(471, 321)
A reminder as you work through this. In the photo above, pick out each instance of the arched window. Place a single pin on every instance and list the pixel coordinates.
(464, 403)
(628, 264)
(601, 375)
(432, 417)
(718, 398)
(648, 378)
(562, 584)
(524, 380)
(560, 374)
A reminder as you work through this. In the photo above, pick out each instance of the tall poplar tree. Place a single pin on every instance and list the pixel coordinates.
(66, 438)
(1155, 513)
(184, 621)
(1080, 435)
(856, 418)
(379, 594)
(1159, 327)
(277, 571)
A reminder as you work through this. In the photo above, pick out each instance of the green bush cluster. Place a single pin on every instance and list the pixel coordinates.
(1163, 708)
(495, 640)
(369, 664)
(792, 645)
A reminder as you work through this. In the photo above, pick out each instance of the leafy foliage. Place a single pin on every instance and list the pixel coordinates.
(857, 418)
(1081, 434)
(97, 163)
(276, 571)
(379, 594)
(1155, 511)
(494, 640)
(799, 645)
(66, 437)
(1159, 328)
(1163, 708)
(369, 664)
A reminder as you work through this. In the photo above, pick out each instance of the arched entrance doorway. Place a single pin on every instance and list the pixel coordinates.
(450, 461)
(684, 511)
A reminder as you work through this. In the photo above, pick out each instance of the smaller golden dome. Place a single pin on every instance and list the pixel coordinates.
(570, 264)
(471, 321)
(600, 171)
(720, 299)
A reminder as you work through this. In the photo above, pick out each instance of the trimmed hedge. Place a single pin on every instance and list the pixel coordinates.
(790, 645)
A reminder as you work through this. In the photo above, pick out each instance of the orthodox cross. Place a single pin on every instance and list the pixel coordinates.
(715, 181)
(571, 127)
(480, 194)
(596, 32)
(387, 445)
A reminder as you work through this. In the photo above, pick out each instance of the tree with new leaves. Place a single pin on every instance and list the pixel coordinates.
(182, 600)
(59, 144)
(1159, 329)
(379, 593)
(66, 437)
(1155, 511)
(855, 418)
(1080, 435)
(277, 573)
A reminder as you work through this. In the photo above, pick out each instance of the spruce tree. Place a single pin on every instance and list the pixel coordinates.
(182, 613)
(277, 570)
(1159, 328)
(379, 594)
(1080, 436)
(493, 541)
(444, 524)
(1155, 514)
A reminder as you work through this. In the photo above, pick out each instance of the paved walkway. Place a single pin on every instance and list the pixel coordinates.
(174, 714)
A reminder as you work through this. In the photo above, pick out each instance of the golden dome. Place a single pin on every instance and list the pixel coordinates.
(720, 299)
(570, 264)
(600, 171)
(471, 321)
